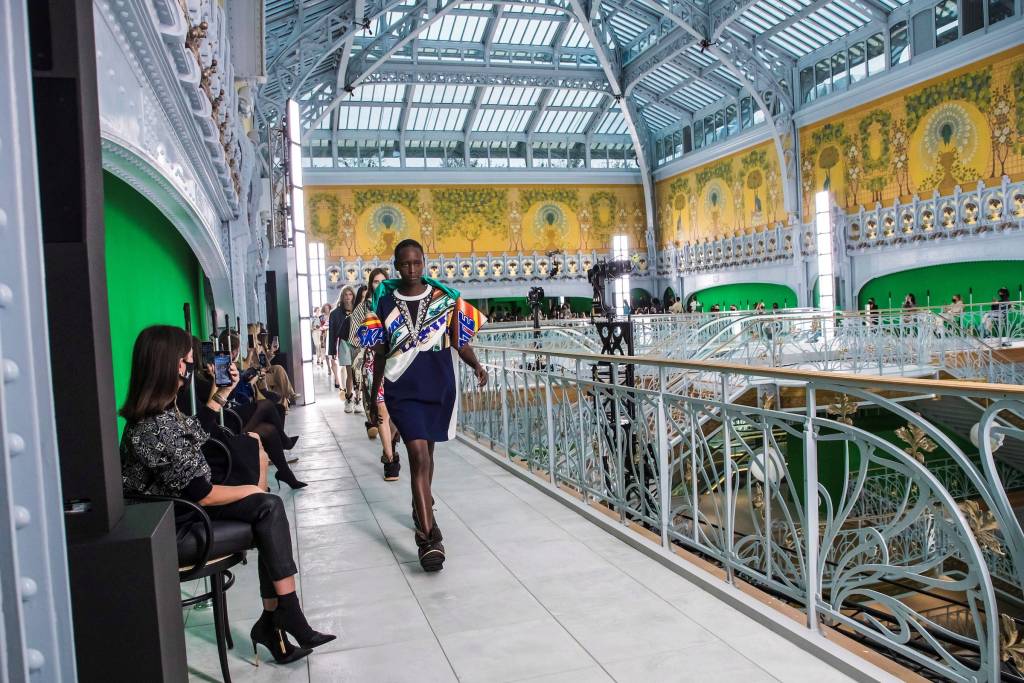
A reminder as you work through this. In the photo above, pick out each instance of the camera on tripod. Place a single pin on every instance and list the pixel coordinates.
(535, 297)
(598, 276)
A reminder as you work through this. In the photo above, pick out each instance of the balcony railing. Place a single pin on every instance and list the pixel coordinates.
(772, 485)
(965, 213)
(535, 267)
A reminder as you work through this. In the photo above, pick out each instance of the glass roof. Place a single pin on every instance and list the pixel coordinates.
(525, 71)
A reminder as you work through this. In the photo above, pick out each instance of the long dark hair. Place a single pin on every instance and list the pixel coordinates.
(360, 295)
(154, 380)
(369, 281)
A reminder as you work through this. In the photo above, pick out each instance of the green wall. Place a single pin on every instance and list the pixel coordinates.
(151, 273)
(745, 295)
(986, 277)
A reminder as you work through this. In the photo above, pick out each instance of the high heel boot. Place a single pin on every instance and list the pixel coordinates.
(289, 478)
(274, 639)
(289, 617)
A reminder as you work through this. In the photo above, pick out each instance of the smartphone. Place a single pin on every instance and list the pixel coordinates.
(207, 353)
(222, 369)
(251, 342)
(263, 361)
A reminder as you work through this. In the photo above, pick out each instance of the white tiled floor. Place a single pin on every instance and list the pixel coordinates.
(530, 591)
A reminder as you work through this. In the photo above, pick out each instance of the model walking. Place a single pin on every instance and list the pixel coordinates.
(415, 329)
(388, 432)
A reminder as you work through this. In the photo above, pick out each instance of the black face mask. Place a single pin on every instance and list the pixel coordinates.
(189, 367)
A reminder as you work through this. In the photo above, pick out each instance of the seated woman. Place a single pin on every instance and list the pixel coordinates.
(160, 455)
(246, 460)
(253, 411)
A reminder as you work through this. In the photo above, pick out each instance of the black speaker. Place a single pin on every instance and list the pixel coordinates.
(270, 291)
(71, 196)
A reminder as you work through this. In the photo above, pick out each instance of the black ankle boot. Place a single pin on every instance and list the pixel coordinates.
(288, 442)
(274, 639)
(289, 617)
(431, 552)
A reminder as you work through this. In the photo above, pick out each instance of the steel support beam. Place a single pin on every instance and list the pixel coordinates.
(637, 129)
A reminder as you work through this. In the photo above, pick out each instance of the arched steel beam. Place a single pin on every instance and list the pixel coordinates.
(637, 128)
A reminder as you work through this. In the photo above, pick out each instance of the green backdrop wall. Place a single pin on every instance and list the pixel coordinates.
(986, 277)
(746, 294)
(151, 273)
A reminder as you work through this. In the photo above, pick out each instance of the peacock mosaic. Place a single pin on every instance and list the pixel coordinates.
(460, 220)
(738, 194)
(955, 130)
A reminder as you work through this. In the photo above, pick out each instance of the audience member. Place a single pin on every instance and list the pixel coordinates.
(160, 455)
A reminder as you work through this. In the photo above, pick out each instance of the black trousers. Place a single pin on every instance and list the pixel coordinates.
(265, 512)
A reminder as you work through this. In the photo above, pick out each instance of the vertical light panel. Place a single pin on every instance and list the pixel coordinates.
(826, 259)
(317, 274)
(620, 285)
(308, 260)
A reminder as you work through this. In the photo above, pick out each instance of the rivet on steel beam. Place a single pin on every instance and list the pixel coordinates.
(11, 370)
(35, 658)
(28, 587)
(15, 444)
(22, 517)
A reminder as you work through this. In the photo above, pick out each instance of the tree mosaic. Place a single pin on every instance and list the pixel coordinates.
(410, 199)
(531, 196)
(1017, 82)
(974, 87)
(469, 212)
(320, 230)
(604, 209)
(998, 117)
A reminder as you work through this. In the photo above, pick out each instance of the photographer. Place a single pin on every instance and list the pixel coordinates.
(160, 455)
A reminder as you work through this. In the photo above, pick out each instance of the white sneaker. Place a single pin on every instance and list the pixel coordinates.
(357, 408)
(348, 405)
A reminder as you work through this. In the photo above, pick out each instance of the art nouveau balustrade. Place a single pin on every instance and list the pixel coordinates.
(771, 246)
(535, 267)
(906, 343)
(963, 214)
(903, 538)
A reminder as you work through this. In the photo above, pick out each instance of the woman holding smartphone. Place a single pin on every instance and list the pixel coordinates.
(160, 455)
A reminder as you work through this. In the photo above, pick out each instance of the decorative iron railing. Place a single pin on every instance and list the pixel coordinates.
(964, 213)
(961, 214)
(966, 345)
(536, 267)
(742, 479)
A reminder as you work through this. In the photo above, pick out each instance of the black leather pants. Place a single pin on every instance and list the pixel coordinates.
(265, 512)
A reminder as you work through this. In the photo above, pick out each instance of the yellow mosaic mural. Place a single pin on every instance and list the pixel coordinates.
(462, 219)
(737, 194)
(964, 126)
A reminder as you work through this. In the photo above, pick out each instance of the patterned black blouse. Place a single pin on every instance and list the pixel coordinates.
(161, 455)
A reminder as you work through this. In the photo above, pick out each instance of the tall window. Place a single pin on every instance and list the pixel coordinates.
(876, 53)
(857, 63)
(947, 22)
(839, 75)
(999, 10)
(973, 15)
(899, 43)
